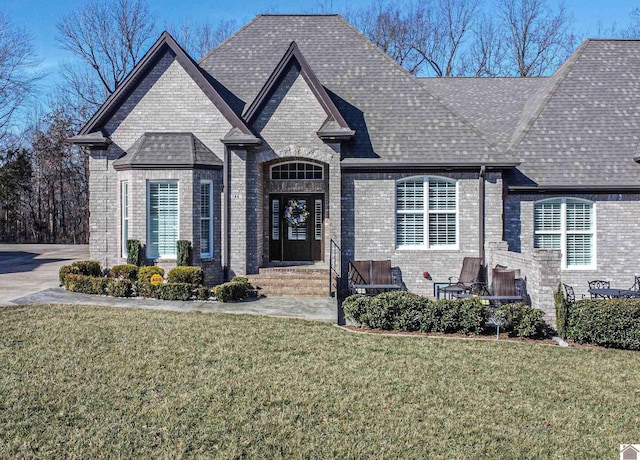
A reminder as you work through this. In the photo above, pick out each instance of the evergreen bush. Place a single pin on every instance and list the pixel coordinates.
(124, 272)
(184, 253)
(134, 252)
(190, 275)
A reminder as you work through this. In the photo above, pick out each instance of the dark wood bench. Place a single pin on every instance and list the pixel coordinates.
(371, 277)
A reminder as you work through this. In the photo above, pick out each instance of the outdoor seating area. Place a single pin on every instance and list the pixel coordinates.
(371, 277)
(506, 286)
(601, 289)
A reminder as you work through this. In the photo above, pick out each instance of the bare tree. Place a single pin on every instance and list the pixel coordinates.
(538, 38)
(199, 39)
(108, 38)
(487, 51)
(18, 74)
(425, 38)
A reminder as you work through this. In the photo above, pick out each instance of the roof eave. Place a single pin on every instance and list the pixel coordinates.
(341, 135)
(91, 140)
(573, 188)
(164, 166)
(395, 166)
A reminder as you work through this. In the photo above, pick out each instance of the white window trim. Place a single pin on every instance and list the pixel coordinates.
(209, 254)
(162, 181)
(292, 162)
(426, 211)
(124, 216)
(563, 232)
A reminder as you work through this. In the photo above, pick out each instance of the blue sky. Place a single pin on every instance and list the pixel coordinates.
(40, 16)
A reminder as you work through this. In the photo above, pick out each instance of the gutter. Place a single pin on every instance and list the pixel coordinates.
(227, 213)
(481, 235)
(573, 188)
(399, 166)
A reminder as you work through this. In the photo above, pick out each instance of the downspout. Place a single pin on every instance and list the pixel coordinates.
(227, 212)
(483, 170)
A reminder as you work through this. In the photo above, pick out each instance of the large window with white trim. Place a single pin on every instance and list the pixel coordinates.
(567, 224)
(206, 219)
(124, 207)
(163, 224)
(427, 213)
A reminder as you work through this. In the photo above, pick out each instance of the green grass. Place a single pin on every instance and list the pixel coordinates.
(84, 382)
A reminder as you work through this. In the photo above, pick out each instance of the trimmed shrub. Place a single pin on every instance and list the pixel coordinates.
(119, 287)
(607, 322)
(86, 284)
(145, 289)
(189, 275)
(80, 267)
(184, 253)
(561, 311)
(240, 279)
(88, 267)
(203, 293)
(124, 272)
(145, 273)
(67, 270)
(411, 312)
(134, 253)
(231, 291)
(524, 321)
(173, 291)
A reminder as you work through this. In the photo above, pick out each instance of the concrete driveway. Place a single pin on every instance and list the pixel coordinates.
(29, 268)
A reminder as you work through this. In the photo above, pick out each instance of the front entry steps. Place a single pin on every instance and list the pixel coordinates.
(288, 281)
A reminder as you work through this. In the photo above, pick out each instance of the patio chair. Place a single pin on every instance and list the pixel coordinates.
(636, 284)
(569, 293)
(503, 282)
(375, 273)
(599, 284)
(469, 277)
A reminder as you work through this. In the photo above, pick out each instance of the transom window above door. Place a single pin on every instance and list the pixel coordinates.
(296, 170)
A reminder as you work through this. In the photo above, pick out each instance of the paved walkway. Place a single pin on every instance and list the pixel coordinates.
(29, 274)
(311, 308)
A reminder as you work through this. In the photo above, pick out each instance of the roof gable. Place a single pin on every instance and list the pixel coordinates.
(293, 56)
(119, 96)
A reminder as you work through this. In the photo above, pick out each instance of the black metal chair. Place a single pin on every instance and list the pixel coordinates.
(569, 293)
(636, 284)
(599, 284)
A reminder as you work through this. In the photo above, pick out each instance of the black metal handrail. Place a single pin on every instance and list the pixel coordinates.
(335, 264)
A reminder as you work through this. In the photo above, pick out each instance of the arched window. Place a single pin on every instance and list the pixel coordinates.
(427, 213)
(567, 224)
(296, 170)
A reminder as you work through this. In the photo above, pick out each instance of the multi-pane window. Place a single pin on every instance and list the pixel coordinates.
(124, 207)
(426, 213)
(296, 170)
(206, 219)
(566, 224)
(163, 219)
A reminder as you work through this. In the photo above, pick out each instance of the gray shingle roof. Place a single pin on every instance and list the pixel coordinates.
(492, 105)
(394, 117)
(168, 150)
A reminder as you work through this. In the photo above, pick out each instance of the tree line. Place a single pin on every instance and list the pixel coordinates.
(44, 179)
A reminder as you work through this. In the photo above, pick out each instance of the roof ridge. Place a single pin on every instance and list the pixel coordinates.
(417, 82)
(563, 71)
(224, 42)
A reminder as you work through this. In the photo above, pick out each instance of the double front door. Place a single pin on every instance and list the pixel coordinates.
(296, 227)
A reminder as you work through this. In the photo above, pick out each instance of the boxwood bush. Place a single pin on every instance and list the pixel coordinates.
(86, 284)
(173, 291)
(231, 291)
(145, 273)
(119, 287)
(124, 272)
(189, 275)
(524, 321)
(607, 322)
(410, 312)
(203, 293)
(80, 267)
(405, 311)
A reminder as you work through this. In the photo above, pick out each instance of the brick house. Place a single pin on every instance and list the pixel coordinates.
(538, 174)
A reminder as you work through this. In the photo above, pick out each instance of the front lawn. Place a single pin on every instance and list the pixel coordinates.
(86, 382)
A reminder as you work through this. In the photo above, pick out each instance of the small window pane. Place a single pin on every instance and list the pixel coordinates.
(547, 216)
(410, 196)
(296, 171)
(410, 229)
(579, 216)
(442, 195)
(578, 250)
(547, 241)
(442, 229)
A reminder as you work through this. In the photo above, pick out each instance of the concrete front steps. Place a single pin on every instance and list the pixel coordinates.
(291, 281)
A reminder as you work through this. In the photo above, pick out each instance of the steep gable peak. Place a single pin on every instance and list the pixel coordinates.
(164, 43)
(293, 56)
